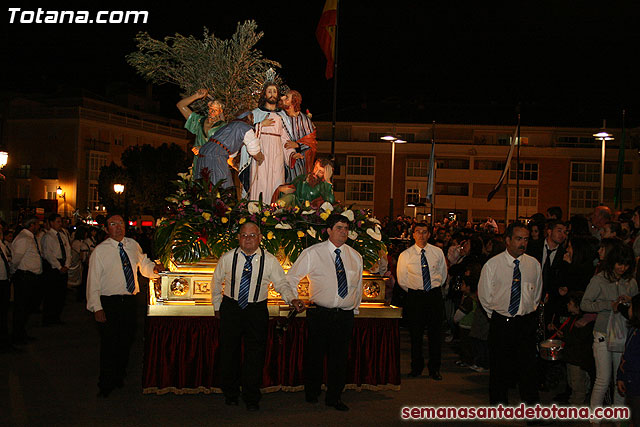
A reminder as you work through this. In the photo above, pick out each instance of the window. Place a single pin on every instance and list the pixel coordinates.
(584, 198)
(452, 188)
(490, 165)
(528, 171)
(118, 140)
(585, 172)
(413, 196)
(50, 192)
(24, 171)
(575, 141)
(417, 168)
(612, 167)
(96, 162)
(94, 200)
(359, 191)
(361, 165)
(453, 164)
(528, 196)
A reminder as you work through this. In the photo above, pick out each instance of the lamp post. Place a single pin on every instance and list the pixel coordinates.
(603, 136)
(393, 140)
(63, 196)
(118, 189)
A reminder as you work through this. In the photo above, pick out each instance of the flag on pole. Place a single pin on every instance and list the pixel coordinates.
(617, 195)
(507, 165)
(431, 174)
(326, 34)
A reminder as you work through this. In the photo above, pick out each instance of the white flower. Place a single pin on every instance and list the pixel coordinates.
(253, 207)
(309, 212)
(171, 199)
(375, 234)
(353, 235)
(311, 232)
(374, 220)
(349, 214)
(283, 226)
(326, 206)
(185, 176)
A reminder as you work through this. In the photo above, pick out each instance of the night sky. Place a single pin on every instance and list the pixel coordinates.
(559, 63)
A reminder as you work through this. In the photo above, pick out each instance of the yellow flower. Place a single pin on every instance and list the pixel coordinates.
(306, 203)
(206, 215)
(264, 219)
(229, 210)
(325, 215)
(224, 220)
(218, 195)
(300, 234)
(267, 213)
(270, 235)
(281, 203)
(242, 221)
(297, 209)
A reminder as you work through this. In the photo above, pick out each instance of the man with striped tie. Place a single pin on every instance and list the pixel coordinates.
(509, 290)
(246, 272)
(112, 284)
(421, 271)
(334, 270)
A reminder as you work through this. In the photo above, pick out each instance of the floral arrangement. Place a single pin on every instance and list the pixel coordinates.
(203, 221)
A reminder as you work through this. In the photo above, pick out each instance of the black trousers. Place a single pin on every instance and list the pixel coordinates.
(512, 355)
(251, 326)
(26, 289)
(425, 309)
(329, 332)
(55, 292)
(5, 295)
(116, 338)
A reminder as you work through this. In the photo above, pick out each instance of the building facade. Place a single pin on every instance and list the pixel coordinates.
(559, 167)
(64, 143)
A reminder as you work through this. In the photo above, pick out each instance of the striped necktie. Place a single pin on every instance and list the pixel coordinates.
(514, 302)
(342, 276)
(63, 252)
(128, 271)
(245, 282)
(426, 275)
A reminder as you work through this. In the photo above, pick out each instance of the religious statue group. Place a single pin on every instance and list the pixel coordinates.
(272, 147)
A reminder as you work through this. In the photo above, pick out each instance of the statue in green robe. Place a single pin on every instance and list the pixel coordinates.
(313, 187)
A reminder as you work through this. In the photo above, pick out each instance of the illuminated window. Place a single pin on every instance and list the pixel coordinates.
(361, 165)
(94, 200)
(585, 198)
(96, 162)
(528, 196)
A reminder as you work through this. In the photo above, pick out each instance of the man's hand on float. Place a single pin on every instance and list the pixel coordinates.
(298, 305)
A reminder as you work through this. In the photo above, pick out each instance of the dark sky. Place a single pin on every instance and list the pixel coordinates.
(562, 62)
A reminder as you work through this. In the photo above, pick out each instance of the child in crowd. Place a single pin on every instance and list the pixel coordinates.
(628, 378)
(577, 334)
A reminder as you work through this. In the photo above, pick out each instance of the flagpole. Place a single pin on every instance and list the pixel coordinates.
(335, 83)
(433, 153)
(518, 171)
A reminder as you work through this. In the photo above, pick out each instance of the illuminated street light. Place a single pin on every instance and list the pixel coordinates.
(118, 188)
(63, 196)
(603, 136)
(393, 140)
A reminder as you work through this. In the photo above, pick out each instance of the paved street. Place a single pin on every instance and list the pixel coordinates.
(53, 382)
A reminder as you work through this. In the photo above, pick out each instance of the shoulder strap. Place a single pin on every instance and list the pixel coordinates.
(260, 273)
(233, 273)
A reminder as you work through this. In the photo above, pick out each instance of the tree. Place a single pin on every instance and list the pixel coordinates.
(109, 175)
(231, 70)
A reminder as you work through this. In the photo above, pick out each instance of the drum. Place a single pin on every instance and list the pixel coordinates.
(551, 349)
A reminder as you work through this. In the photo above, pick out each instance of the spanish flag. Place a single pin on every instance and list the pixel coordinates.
(326, 34)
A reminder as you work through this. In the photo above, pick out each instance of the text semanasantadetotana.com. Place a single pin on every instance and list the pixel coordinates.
(17, 15)
(522, 412)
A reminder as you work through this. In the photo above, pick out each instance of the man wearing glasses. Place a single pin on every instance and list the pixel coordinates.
(112, 283)
(246, 272)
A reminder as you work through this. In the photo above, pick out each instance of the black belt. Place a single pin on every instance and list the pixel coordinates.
(28, 272)
(122, 297)
(503, 318)
(421, 291)
(333, 310)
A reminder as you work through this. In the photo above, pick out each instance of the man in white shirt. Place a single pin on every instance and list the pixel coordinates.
(246, 272)
(509, 290)
(56, 251)
(334, 270)
(112, 283)
(421, 271)
(27, 278)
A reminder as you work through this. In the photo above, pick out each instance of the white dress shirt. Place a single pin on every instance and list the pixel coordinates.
(25, 255)
(317, 262)
(409, 267)
(273, 272)
(106, 274)
(545, 253)
(4, 274)
(494, 288)
(51, 249)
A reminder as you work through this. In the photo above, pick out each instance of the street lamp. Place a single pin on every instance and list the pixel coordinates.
(118, 188)
(603, 136)
(4, 158)
(393, 140)
(63, 196)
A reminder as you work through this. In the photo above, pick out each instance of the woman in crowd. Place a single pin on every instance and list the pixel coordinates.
(614, 284)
